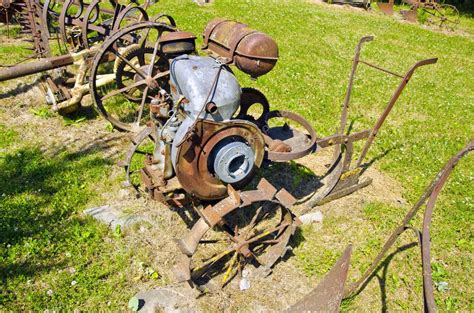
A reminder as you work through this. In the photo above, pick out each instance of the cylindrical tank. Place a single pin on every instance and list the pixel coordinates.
(253, 52)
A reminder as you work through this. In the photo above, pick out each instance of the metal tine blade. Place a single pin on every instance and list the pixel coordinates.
(327, 296)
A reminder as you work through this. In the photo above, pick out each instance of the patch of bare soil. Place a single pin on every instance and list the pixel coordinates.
(283, 287)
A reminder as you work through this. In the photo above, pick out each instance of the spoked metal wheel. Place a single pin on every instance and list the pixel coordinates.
(132, 57)
(139, 152)
(255, 232)
(71, 11)
(442, 15)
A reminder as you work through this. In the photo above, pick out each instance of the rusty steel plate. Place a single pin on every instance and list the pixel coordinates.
(193, 156)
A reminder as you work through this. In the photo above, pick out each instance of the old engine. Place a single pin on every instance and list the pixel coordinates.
(204, 134)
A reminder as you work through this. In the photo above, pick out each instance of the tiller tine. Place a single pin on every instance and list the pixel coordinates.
(327, 296)
(263, 239)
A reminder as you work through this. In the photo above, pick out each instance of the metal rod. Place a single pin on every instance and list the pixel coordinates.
(390, 105)
(380, 69)
(347, 98)
(26, 69)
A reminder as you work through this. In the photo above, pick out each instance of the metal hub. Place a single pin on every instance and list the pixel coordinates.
(233, 162)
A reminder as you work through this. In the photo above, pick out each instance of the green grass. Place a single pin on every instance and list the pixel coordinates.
(42, 232)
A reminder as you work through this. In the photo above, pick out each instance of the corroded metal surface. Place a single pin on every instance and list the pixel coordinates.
(343, 177)
(327, 296)
(243, 240)
(193, 156)
(253, 52)
(297, 143)
(35, 67)
(144, 80)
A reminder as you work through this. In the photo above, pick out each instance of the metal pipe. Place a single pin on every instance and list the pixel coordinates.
(41, 65)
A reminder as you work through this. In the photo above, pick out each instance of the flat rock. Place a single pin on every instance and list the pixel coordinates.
(309, 218)
(167, 299)
(114, 216)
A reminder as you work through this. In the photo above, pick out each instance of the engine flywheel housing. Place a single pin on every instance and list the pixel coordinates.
(217, 154)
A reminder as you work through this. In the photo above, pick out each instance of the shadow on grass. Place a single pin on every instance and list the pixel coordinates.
(382, 277)
(19, 89)
(39, 197)
(300, 180)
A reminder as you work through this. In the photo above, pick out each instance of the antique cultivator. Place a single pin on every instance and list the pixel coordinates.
(79, 28)
(432, 11)
(327, 296)
(202, 145)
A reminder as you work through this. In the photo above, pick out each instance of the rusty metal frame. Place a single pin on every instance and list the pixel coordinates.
(430, 7)
(325, 297)
(431, 194)
(343, 178)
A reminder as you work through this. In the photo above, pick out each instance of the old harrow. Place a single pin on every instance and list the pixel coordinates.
(202, 145)
(327, 296)
(430, 11)
(79, 28)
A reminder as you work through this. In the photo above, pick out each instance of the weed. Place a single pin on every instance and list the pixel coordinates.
(44, 112)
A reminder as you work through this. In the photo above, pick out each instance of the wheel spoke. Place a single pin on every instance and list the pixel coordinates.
(137, 70)
(228, 272)
(153, 58)
(122, 90)
(253, 222)
(161, 74)
(213, 241)
(128, 74)
(266, 233)
(142, 105)
(212, 261)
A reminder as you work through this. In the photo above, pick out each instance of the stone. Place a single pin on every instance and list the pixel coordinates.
(167, 299)
(309, 218)
(114, 217)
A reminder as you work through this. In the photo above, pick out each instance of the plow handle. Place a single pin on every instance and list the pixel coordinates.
(35, 67)
(390, 105)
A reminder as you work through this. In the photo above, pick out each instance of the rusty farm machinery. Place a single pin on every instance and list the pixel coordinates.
(199, 144)
(75, 29)
(433, 12)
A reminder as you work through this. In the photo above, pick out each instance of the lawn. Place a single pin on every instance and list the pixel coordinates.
(53, 257)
